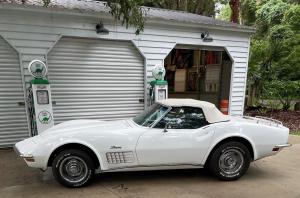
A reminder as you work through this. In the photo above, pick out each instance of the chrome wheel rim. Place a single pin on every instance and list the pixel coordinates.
(231, 161)
(73, 169)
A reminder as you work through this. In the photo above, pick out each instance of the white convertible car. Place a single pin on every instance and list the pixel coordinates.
(171, 134)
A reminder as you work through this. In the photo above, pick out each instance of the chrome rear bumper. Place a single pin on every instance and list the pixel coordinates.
(279, 147)
(283, 145)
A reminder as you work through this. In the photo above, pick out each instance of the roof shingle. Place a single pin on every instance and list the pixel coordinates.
(152, 13)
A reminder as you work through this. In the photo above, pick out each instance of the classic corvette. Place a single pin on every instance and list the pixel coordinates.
(171, 134)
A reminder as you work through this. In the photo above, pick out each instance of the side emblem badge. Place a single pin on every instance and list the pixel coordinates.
(115, 147)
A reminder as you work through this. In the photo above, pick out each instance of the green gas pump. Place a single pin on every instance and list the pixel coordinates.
(39, 98)
(159, 86)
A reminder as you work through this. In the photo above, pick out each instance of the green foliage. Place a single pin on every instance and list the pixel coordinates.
(46, 3)
(279, 33)
(285, 91)
(269, 14)
(259, 50)
(225, 13)
(274, 64)
(247, 12)
(129, 12)
(292, 17)
(288, 67)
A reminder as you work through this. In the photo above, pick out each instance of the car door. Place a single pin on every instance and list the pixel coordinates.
(185, 141)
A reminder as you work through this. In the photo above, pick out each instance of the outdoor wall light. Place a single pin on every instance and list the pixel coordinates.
(205, 37)
(100, 29)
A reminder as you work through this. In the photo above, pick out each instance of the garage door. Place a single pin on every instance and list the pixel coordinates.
(97, 79)
(13, 123)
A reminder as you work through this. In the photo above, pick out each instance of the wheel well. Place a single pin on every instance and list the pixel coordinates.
(80, 147)
(236, 139)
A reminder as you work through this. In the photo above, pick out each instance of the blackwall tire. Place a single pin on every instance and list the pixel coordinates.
(229, 161)
(73, 168)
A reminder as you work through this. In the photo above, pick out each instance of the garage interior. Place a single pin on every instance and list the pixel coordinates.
(199, 73)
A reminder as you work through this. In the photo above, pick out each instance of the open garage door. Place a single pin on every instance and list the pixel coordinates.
(13, 122)
(94, 78)
(199, 72)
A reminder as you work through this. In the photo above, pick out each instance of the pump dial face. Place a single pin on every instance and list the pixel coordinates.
(161, 94)
(37, 69)
(42, 97)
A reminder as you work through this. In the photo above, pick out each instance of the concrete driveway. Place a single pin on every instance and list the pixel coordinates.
(277, 176)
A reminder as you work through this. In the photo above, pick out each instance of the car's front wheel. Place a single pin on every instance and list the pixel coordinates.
(73, 168)
(229, 161)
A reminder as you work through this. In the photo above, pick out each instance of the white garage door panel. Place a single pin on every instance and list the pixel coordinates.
(13, 122)
(97, 79)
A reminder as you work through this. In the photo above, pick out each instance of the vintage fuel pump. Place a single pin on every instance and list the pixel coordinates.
(39, 98)
(159, 87)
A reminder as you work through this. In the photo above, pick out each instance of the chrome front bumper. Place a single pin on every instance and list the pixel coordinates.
(27, 158)
(17, 151)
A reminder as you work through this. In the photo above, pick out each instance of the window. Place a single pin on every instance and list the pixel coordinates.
(152, 114)
(183, 118)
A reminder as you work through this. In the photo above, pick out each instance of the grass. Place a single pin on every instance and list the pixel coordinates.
(295, 133)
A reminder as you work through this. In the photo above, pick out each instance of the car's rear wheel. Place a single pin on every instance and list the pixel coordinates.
(229, 161)
(73, 168)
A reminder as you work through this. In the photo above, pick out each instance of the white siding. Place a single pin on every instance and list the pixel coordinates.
(34, 36)
(13, 122)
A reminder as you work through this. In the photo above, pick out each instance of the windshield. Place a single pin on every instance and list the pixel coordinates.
(151, 115)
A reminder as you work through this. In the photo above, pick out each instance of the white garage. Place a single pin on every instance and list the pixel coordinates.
(106, 76)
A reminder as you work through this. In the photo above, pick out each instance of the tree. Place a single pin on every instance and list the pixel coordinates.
(247, 12)
(225, 13)
(274, 64)
(234, 5)
(284, 91)
(269, 14)
(131, 12)
(202, 7)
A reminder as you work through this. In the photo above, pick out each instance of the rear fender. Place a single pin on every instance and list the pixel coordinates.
(227, 136)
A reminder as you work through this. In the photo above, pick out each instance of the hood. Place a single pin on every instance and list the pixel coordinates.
(77, 126)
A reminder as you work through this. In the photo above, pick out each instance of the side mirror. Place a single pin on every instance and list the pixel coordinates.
(167, 126)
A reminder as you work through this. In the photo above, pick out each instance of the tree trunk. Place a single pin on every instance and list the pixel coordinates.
(234, 5)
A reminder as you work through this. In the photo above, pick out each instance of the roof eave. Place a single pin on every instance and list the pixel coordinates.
(105, 15)
(204, 25)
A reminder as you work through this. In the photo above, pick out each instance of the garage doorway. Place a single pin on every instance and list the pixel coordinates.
(199, 73)
(95, 79)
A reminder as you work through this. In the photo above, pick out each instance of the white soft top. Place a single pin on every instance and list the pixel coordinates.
(212, 114)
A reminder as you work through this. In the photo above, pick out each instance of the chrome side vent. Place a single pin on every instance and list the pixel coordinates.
(120, 157)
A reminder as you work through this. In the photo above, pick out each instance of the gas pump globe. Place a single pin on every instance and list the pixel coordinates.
(159, 87)
(41, 114)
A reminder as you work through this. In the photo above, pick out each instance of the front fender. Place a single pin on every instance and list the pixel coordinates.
(72, 141)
